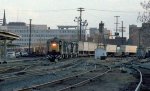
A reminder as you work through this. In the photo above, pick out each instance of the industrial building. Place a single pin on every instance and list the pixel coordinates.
(133, 34)
(140, 33)
(94, 34)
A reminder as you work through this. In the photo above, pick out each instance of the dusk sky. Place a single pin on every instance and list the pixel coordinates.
(63, 12)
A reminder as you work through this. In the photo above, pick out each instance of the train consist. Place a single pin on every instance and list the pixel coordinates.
(60, 49)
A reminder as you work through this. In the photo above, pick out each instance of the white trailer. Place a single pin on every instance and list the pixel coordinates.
(128, 50)
(111, 50)
(90, 46)
(80, 46)
(100, 53)
(86, 48)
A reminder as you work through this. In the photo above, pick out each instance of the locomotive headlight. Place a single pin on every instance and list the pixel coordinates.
(54, 45)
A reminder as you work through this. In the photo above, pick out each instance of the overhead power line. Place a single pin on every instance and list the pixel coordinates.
(61, 10)
(118, 11)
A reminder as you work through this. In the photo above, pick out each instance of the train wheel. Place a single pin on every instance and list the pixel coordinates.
(71, 56)
(52, 60)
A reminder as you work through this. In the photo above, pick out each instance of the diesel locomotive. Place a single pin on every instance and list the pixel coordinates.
(60, 49)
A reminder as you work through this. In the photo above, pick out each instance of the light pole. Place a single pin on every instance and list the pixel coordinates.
(77, 19)
(84, 24)
(116, 33)
(30, 36)
(80, 10)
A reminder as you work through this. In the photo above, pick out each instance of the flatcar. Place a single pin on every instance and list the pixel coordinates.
(61, 49)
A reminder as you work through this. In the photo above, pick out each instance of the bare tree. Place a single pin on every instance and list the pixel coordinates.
(144, 16)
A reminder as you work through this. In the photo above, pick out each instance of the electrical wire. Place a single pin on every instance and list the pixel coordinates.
(119, 11)
(61, 10)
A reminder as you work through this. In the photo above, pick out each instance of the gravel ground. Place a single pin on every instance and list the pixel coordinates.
(13, 85)
(112, 81)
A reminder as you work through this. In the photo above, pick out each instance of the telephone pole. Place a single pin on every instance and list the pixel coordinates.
(80, 10)
(116, 33)
(122, 30)
(30, 37)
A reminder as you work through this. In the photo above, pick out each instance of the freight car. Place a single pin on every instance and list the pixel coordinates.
(86, 49)
(111, 50)
(128, 50)
(61, 49)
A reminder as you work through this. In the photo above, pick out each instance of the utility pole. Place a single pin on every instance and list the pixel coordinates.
(122, 30)
(139, 37)
(30, 36)
(116, 33)
(4, 19)
(77, 19)
(80, 10)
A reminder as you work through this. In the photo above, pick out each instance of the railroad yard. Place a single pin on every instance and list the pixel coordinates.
(78, 74)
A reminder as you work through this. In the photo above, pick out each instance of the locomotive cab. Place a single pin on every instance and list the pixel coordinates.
(54, 50)
(61, 49)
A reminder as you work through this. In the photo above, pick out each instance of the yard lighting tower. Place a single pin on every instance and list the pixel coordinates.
(116, 33)
(80, 10)
(77, 19)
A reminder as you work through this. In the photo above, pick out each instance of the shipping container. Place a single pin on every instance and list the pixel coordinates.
(86, 48)
(128, 50)
(111, 50)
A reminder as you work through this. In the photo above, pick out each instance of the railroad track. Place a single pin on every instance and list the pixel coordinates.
(58, 74)
(17, 66)
(145, 80)
(143, 74)
(25, 73)
(53, 74)
(71, 81)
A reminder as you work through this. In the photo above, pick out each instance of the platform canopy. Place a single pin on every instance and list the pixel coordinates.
(8, 36)
(5, 38)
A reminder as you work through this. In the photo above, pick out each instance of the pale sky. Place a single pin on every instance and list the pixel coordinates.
(63, 12)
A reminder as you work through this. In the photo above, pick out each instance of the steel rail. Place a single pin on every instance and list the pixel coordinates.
(53, 82)
(37, 72)
(85, 81)
(67, 78)
(141, 79)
